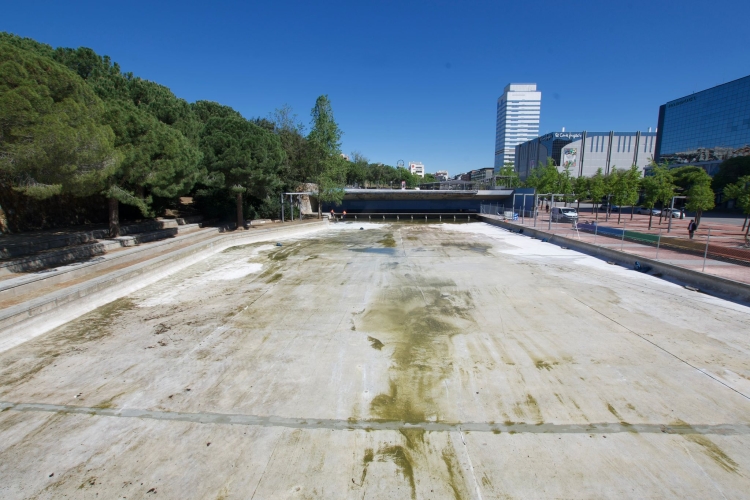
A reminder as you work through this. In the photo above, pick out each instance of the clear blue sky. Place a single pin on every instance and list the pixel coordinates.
(414, 80)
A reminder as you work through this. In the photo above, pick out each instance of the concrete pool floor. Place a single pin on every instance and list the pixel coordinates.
(399, 361)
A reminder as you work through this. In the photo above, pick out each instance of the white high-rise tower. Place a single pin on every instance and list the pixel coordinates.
(518, 113)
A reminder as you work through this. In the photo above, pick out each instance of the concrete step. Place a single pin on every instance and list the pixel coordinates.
(115, 255)
(28, 244)
(76, 253)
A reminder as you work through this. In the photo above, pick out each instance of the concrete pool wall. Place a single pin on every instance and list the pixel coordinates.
(30, 319)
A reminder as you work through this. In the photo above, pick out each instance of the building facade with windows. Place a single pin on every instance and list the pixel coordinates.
(518, 112)
(441, 175)
(416, 168)
(586, 152)
(482, 174)
(707, 127)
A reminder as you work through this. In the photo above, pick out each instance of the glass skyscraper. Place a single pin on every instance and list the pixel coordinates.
(707, 127)
(518, 111)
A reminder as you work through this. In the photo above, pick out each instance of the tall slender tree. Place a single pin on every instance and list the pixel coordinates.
(597, 189)
(328, 167)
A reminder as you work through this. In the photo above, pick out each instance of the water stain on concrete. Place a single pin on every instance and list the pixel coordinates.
(480, 248)
(382, 251)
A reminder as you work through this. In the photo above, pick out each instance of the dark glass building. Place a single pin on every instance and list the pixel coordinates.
(707, 127)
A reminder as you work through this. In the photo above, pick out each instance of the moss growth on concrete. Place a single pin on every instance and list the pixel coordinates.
(273, 279)
(374, 343)
(709, 447)
(388, 241)
(399, 456)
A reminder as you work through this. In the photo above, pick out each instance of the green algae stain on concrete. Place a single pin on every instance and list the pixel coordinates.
(710, 448)
(388, 241)
(374, 343)
(417, 323)
(543, 365)
(415, 316)
(90, 327)
(400, 457)
(273, 279)
(613, 411)
(366, 461)
(108, 403)
(528, 408)
(456, 480)
(285, 253)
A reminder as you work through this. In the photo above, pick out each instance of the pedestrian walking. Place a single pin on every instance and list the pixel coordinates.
(547, 208)
(692, 227)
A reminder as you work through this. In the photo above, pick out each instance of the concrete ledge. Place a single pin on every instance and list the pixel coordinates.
(32, 318)
(52, 241)
(80, 267)
(78, 253)
(716, 285)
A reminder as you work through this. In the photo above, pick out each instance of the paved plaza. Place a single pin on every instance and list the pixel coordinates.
(392, 361)
(727, 255)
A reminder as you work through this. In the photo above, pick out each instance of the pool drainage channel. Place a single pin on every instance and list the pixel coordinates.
(380, 425)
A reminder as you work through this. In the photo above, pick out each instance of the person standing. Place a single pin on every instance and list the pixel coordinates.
(692, 227)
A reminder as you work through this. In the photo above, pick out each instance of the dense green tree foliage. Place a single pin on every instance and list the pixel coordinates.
(695, 183)
(659, 187)
(240, 157)
(545, 178)
(625, 188)
(740, 192)
(730, 171)
(155, 133)
(52, 139)
(597, 189)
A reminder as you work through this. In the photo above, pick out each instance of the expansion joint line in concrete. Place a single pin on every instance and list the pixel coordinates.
(378, 425)
(665, 350)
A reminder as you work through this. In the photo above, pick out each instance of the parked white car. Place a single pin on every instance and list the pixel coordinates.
(563, 214)
(648, 211)
(675, 214)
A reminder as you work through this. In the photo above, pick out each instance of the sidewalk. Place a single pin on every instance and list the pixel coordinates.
(726, 258)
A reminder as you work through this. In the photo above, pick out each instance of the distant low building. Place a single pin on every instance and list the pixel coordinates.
(586, 152)
(441, 175)
(482, 174)
(416, 168)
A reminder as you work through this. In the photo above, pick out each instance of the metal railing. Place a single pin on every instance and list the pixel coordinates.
(714, 248)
